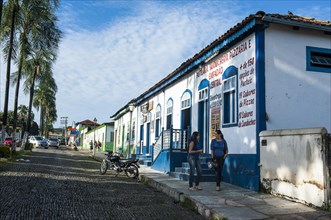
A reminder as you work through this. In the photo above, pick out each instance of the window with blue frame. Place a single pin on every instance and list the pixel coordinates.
(318, 59)
(133, 136)
(230, 97)
(169, 113)
(157, 120)
(186, 101)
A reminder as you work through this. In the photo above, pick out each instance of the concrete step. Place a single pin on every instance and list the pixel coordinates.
(141, 156)
(187, 165)
(204, 171)
(144, 159)
(147, 162)
(185, 177)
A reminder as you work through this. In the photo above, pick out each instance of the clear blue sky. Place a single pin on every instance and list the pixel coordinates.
(112, 51)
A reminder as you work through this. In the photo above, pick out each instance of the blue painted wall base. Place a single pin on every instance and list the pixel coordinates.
(162, 162)
(240, 170)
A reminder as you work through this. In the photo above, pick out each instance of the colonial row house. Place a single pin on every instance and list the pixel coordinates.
(92, 131)
(270, 72)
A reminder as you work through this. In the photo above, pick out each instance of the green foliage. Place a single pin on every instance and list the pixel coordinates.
(189, 204)
(328, 207)
(34, 130)
(218, 218)
(23, 153)
(28, 146)
(5, 152)
(144, 180)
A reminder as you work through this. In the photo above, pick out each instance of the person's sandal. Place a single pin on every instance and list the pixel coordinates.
(192, 188)
(198, 188)
(218, 188)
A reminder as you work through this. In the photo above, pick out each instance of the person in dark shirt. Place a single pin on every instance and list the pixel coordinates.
(194, 150)
(219, 151)
(91, 145)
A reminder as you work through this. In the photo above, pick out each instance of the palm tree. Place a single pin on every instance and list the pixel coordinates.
(1, 4)
(10, 18)
(45, 101)
(24, 22)
(30, 13)
(23, 116)
(27, 18)
(44, 46)
(49, 115)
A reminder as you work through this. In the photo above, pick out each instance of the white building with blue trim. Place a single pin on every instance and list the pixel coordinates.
(268, 72)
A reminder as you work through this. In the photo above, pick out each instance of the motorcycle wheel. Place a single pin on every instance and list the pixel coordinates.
(132, 171)
(103, 167)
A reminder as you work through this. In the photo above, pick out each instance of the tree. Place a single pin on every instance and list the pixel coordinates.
(1, 4)
(43, 50)
(45, 100)
(10, 17)
(34, 130)
(22, 117)
(26, 19)
(34, 22)
(30, 15)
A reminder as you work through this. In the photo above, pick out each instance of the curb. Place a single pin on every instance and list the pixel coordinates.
(95, 158)
(182, 198)
(162, 187)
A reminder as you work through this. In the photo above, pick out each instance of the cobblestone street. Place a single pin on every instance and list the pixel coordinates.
(64, 184)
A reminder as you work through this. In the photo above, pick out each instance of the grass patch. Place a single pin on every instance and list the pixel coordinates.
(6, 155)
(189, 204)
(5, 152)
(25, 154)
(328, 207)
(217, 218)
(144, 180)
(90, 158)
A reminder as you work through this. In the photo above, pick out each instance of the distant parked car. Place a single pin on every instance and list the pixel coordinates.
(53, 142)
(8, 141)
(38, 141)
(62, 142)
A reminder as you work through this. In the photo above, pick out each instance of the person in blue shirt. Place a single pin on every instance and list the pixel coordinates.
(194, 150)
(219, 151)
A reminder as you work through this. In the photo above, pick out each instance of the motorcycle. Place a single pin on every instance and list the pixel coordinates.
(114, 162)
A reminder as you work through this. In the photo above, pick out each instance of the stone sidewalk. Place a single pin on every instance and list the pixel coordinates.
(232, 202)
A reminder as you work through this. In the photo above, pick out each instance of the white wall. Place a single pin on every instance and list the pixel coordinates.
(241, 139)
(292, 93)
(124, 120)
(174, 92)
(293, 164)
(295, 98)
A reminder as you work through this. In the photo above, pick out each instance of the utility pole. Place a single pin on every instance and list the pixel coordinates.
(64, 120)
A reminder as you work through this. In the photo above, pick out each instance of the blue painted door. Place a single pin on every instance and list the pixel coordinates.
(157, 127)
(141, 138)
(203, 125)
(148, 130)
(185, 124)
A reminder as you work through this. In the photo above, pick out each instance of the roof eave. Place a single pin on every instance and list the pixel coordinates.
(276, 20)
(202, 56)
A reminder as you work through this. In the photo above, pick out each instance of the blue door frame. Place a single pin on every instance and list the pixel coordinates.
(148, 130)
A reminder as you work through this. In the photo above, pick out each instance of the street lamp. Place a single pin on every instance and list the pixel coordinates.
(131, 106)
(95, 122)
